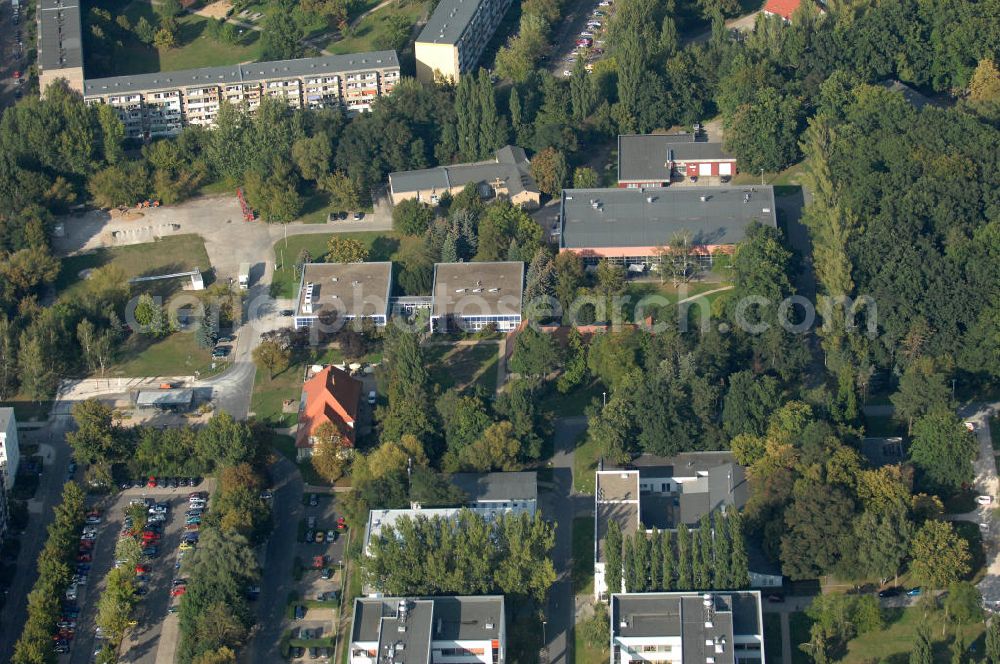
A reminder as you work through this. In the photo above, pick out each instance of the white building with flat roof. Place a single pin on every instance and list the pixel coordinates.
(10, 450)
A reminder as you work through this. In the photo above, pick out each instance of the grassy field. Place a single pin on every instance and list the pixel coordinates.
(381, 247)
(572, 403)
(177, 253)
(583, 555)
(125, 54)
(799, 624)
(584, 654)
(373, 32)
(175, 355)
(269, 393)
(895, 641)
(995, 432)
(285, 445)
(772, 637)
(464, 366)
(585, 465)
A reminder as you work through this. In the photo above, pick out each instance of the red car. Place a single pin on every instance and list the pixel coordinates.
(141, 569)
(341, 523)
(151, 483)
(192, 527)
(178, 591)
(148, 536)
(86, 545)
(17, 74)
(84, 558)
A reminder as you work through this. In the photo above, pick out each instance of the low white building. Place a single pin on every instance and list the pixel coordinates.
(10, 451)
(687, 627)
(429, 630)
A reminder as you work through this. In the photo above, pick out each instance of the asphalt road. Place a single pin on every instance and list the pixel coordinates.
(11, 54)
(287, 508)
(56, 456)
(559, 505)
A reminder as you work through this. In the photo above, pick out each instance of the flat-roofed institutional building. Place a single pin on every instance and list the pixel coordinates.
(687, 628)
(162, 103)
(455, 36)
(471, 296)
(429, 630)
(348, 291)
(632, 226)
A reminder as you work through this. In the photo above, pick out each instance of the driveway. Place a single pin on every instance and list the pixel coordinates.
(986, 483)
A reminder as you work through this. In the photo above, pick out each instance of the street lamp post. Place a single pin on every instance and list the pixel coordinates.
(762, 177)
(604, 398)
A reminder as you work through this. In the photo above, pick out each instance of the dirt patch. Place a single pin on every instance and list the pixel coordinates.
(216, 10)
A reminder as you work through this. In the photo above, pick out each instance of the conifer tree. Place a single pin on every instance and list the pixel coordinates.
(684, 581)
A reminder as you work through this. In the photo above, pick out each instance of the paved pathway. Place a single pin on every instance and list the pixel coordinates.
(786, 639)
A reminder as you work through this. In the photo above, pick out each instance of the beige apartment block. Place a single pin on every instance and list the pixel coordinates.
(161, 104)
(454, 38)
(60, 48)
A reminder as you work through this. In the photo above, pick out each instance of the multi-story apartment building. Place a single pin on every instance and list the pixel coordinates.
(455, 35)
(429, 630)
(160, 104)
(10, 454)
(60, 48)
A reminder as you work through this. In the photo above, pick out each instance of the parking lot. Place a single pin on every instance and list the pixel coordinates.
(12, 51)
(312, 626)
(149, 641)
(582, 36)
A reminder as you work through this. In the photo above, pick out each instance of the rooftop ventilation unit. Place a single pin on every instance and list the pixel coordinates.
(703, 198)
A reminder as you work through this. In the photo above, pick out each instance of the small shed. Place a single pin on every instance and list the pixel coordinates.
(176, 399)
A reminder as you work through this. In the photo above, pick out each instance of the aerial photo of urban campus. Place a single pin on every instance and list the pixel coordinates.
(494, 332)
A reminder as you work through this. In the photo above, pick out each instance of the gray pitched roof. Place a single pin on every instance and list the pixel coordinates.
(6, 415)
(649, 216)
(510, 165)
(645, 157)
(242, 73)
(497, 486)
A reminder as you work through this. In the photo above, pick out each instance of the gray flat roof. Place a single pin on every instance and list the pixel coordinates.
(449, 21)
(649, 216)
(59, 34)
(174, 397)
(478, 289)
(683, 464)
(497, 486)
(6, 416)
(242, 73)
(350, 289)
(702, 620)
(510, 165)
(448, 618)
(645, 157)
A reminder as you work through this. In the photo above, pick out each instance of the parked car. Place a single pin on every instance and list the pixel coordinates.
(320, 536)
(313, 500)
(300, 612)
(372, 398)
(914, 592)
(895, 591)
(327, 574)
(358, 216)
(984, 500)
(178, 591)
(221, 351)
(310, 535)
(331, 535)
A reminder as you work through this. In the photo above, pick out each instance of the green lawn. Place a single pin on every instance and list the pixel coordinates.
(177, 253)
(285, 445)
(127, 55)
(583, 555)
(26, 410)
(574, 402)
(883, 426)
(585, 465)
(373, 32)
(995, 432)
(175, 355)
(772, 637)
(381, 247)
(462, 366)
(584, 654)
(268, 393)
(897, 638)
(799, 625)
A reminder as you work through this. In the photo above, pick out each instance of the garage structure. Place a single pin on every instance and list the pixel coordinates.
(656, 160)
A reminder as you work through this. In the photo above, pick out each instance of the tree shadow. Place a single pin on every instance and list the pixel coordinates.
(383, 248)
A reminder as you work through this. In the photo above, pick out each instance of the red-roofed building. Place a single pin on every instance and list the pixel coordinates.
(329, 396)
(782, 8)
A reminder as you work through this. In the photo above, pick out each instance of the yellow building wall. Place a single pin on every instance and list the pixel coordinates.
(73, 76)
(436, 61)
